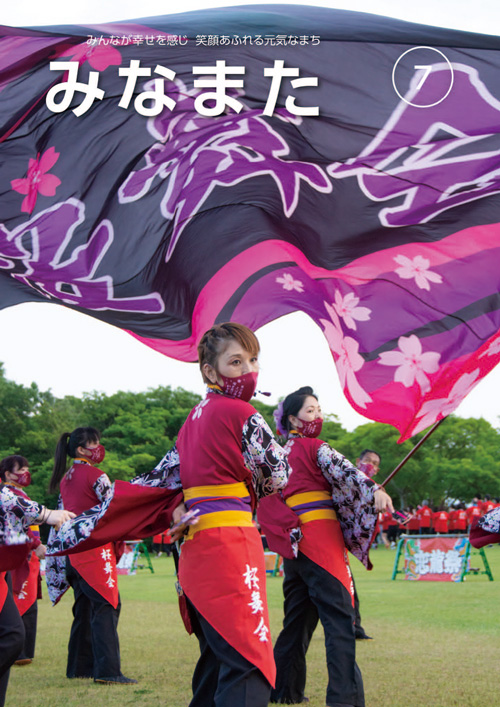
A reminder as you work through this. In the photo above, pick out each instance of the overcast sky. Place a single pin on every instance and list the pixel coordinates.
(72, 353)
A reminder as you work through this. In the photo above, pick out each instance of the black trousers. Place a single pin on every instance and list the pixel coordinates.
(11, 638)
(30, 619)
(311, 593)
(93, 649)
(223, 677)
(359, 631)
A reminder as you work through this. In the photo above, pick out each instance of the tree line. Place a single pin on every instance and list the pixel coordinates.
(460, 459)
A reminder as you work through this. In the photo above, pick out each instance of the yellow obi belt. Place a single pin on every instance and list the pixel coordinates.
(313, 505)
(218, 506)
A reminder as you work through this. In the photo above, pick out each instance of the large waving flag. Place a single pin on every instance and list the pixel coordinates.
(241, 164)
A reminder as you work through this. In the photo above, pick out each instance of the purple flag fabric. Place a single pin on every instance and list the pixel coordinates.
(207, 189)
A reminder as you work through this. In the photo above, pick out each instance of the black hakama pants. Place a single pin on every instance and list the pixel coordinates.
(223, 677)
(312, 594)
(93, 649)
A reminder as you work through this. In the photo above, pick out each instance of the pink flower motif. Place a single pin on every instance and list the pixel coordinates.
(412, 363)
(417, 269)
(348, 359)
(493, 348)
(289, 283)
(99, 56)
(37, 180)
(441, 407)
(347, 308)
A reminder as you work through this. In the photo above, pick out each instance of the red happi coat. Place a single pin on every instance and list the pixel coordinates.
(96, 566)
(322, 541)
(26, 582)
(221, 567)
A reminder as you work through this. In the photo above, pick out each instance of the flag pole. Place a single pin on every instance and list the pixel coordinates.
(412, 451)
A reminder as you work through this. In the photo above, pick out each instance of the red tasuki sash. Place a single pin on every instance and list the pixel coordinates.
(28, 593)
(98, 568)
(222, 573)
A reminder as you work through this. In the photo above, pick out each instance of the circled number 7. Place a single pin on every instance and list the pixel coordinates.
(427, 70)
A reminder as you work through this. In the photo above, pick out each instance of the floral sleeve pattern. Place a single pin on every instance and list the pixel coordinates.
(166, 473)
(490, 522)
(352, 493)
(264, 457)
(18, 513)
(103, 487)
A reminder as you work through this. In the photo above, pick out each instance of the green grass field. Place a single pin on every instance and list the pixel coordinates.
(436, 644)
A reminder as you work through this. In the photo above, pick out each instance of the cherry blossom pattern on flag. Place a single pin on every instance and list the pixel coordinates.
(434, 409)
(289, 283)
(347, 357)
(206, 152)
(493, 349)
(347, 308)
(251, 580)
(99, 56)
(417, 269)
(37, 181)
(412, 364)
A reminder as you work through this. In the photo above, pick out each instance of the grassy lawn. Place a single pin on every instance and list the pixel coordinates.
(435, 644)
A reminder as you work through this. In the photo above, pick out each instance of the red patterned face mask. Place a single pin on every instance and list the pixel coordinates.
(96, 455)
(23, 479)
(311, 428)
(241, 387)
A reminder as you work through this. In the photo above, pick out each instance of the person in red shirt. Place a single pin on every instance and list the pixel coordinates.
(93, 649)
(460, 525)
(474, 512)
(425, 517)
(488, 504)
(440, 522)
(413, 525)
(452, 518)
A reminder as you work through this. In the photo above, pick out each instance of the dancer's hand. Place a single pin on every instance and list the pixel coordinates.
(178, 528)
(382, 501)
(40, 551)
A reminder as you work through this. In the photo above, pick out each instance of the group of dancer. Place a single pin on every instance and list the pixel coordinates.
(315, 505)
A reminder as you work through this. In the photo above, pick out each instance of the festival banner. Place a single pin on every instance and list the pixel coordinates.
(243, 163)
(437, 558)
